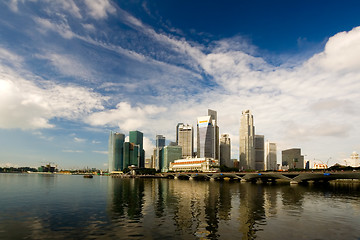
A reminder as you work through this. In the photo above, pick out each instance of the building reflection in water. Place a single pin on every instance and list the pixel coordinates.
(127, 198)
(188, 209)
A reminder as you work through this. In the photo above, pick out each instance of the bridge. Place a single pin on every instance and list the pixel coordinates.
(291, 177)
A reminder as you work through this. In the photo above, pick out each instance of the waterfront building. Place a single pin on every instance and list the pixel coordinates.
(160, 144)
(247, 141)
(136, 137)
(208, 136)
(115, 151)
(195, 164)
(292, 158)
(177, 131)
(147, 162)
(131, 155)
(259, 153)
(271, 156)
(185, 139)
(225, 151)
(169, 155)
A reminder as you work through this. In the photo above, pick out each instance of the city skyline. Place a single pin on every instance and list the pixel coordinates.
(71, 71)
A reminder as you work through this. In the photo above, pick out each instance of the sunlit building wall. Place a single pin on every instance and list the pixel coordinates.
(247, 138)
(208, 136)
(185, 139)
(271, 156)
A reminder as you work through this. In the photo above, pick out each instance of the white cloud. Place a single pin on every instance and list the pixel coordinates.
(79, 140)
(99, 9)
(72, 151)
(128, 118)
(28, 105)
(68, 65)
(101, 152)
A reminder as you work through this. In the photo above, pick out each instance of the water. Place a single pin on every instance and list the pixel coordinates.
(72, 207)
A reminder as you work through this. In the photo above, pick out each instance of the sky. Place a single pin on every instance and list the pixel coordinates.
(71, 71)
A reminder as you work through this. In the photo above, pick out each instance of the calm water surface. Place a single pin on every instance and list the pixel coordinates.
(72, 207)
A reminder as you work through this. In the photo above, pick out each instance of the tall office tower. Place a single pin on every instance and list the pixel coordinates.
(136, 137)
(132, 155)
(259, 152)
(185, 139)
(293, 158)
(247, 137)
(169, 155)
(225, 151)
(207, 136)
(271, 157)
(213, 115)
(177, 131)
(115, 154)
(160, 144)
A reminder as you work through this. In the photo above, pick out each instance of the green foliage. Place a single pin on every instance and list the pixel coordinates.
(224, 168)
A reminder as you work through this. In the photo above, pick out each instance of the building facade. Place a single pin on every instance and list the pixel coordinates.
(225, 151)
(136, 137)
(247, 141)
(169, 155)
(292, 158)
(160, 144)
(208, 136)
(259, 152)
(195, 164)
(271, 156)
(116, 151)
(185, 139)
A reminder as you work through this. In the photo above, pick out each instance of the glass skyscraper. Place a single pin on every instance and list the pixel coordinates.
(115, 151)
(208, 136)
(136, 137)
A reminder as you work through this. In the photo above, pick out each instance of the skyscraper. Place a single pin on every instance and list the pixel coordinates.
(115, 153)
(259, 152)
(185, 139)
(136, 137)
(160, 143)
(131, 155)
(247, 137)
(271, 157)
(225, 151)
(208, 136)
(169, 155)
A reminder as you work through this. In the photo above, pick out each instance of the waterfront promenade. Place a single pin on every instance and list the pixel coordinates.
(291, 177)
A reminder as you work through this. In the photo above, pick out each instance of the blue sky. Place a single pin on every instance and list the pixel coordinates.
(71, 71)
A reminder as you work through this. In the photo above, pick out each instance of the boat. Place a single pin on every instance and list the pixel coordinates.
(88, 176)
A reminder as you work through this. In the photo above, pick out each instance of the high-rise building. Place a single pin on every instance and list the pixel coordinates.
(160, 144)
(132, 155)
(169, 155)
(136, 137)
(213, 115)
(259, 152)
(115, 153)
(247, 137)
(225, 151)
(177, 131)
(271, 156)
(293, 158)
(208, 136)
(185, 139)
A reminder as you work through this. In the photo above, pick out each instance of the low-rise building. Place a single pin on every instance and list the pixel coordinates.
(195, 164)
